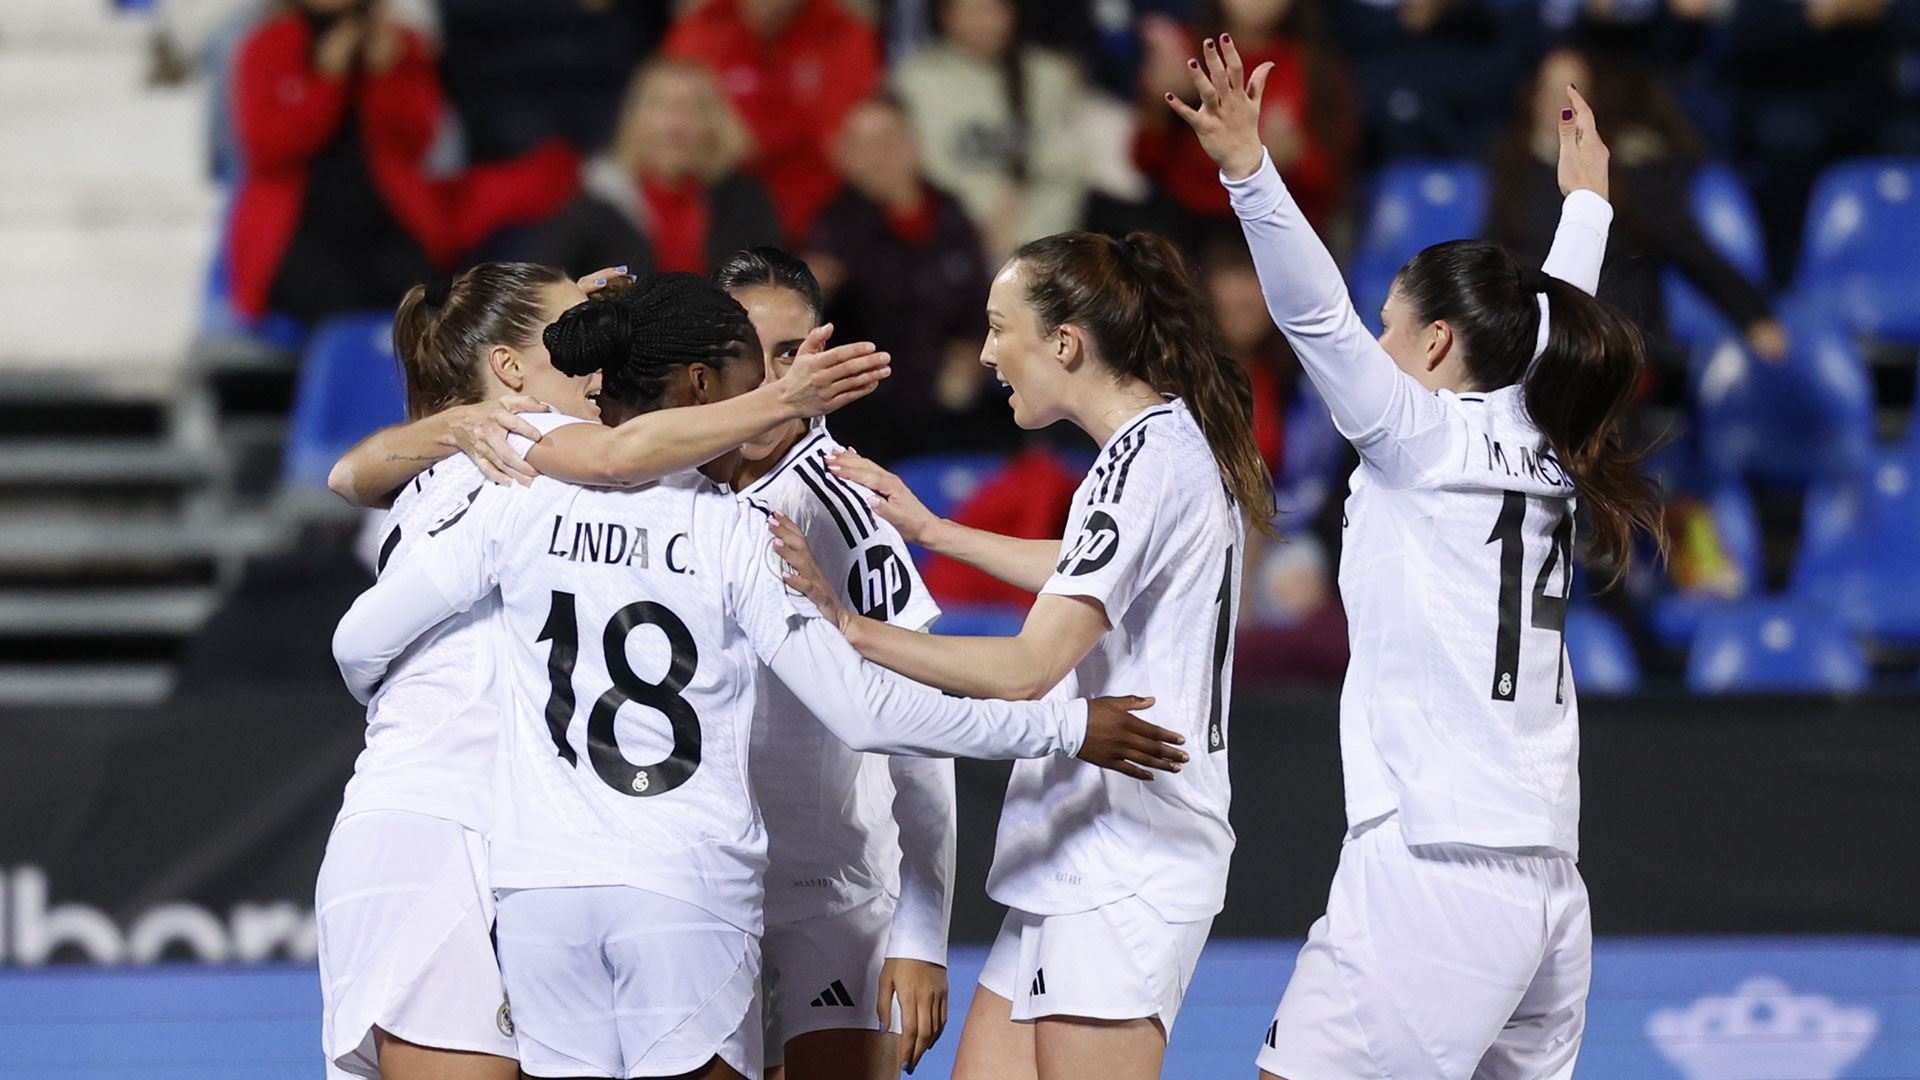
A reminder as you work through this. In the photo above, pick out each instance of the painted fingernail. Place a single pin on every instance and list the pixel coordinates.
(1226, 39)
(1566, 114)
(1169, 97)
(619, 269)
(1194, 64)
(600, 281)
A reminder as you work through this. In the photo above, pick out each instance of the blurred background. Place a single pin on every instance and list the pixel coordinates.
(208, 209)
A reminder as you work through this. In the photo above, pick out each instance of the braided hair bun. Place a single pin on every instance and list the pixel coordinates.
(636, 339)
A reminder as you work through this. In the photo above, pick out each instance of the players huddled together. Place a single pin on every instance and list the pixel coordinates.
(658, 776)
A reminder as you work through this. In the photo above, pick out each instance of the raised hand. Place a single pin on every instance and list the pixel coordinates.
(803, 575)
(480, 431)
(1228, 119)
(1583, 157)
(922, 988)
(893, 500)
(822, 379)
(1121, 741)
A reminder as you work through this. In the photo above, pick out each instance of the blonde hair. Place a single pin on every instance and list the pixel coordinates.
(727, 139)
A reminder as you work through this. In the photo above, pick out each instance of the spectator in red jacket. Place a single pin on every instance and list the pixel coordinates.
(793, 68)
(336, 106)
(1306, 118)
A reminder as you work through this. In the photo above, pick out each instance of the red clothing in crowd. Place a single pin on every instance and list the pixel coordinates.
(679, 218)
(287, 113)
(1029, 498)
(1172, 158)
(792, 91)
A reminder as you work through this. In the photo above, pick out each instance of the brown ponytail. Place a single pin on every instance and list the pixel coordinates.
(1149, 320)
(1578, 393)
(442, 331)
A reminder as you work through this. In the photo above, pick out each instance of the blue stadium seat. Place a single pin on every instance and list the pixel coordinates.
(944, 481)
(1415, 205)
(980, 620)
(349, 387)
(1773, 646)
(1726, 215)
(1859, 550)
(1857, 266)
(1809, 416)
(1601, 656)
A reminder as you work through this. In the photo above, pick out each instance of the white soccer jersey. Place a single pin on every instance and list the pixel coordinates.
(833, 838)
(635, 624)
(1458, 712)
(433, 727)
(1154, 537)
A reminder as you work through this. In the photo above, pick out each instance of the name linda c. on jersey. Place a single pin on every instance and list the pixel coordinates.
(608, 542)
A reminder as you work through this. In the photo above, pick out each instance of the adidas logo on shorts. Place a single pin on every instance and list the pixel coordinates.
(1273, 1035)
(835, 994)
(1039, 983)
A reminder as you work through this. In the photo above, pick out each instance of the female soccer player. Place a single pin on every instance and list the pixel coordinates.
(628, 852)
(1456, 941)
(409, 983)
(1113, 883)
(858, 897)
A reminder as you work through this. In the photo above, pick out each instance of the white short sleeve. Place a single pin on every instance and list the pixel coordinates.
(1107, 554)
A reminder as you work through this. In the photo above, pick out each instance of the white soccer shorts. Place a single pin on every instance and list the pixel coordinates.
(1446, 962)
(404, 921)
(823, 973)
(612, 981)
(1121, 961)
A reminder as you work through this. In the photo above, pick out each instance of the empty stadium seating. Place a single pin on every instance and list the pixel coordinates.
(1775, 646)
(1858, 267)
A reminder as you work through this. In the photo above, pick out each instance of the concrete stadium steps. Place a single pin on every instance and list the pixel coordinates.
(119, 535)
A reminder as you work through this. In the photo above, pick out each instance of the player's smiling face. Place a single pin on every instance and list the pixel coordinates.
(783, 320)
(1030, 363)
(572, 395)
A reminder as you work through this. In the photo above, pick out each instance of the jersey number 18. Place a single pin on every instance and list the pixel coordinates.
(603, 749)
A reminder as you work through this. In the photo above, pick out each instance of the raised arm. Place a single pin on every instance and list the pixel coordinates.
(1580, 240)
(1305, 292)
(1024, 564)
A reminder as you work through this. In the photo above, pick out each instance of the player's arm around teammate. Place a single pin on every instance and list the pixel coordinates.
(645, 448)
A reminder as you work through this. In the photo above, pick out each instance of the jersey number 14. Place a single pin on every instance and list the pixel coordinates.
(603, 749)
(1549, 608)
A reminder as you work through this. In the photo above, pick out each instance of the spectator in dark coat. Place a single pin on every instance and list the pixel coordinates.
(336, 105)
(1654, 157)
(902, 266)
(668, 195)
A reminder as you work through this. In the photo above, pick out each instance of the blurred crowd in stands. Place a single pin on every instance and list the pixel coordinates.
(906, 147)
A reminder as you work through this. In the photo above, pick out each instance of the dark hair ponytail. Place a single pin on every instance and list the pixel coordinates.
(635, 340)
(1150, 321)
(442, 330)
(1578, 392)
(774, 268)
